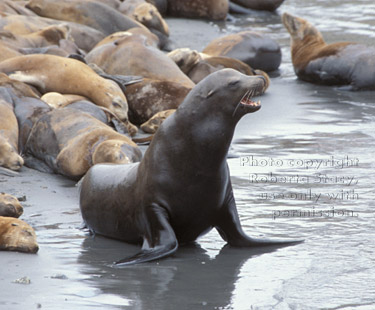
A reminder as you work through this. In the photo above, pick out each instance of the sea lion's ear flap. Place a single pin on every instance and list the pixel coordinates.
(210, 93)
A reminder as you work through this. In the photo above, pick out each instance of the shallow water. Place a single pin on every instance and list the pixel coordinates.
(301, 167)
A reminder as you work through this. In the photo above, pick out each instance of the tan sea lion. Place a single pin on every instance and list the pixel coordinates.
(149, 97)
(68, 141)
(315, 61)
(152, 125)
(17, 235)
(9, 156)
(151, 39)
(254, 49)
(110, 57)
(90, 13)
(56, 100)
(145, 13)
(10, 206)
(84, 36)
(50, 73)
(211, 9)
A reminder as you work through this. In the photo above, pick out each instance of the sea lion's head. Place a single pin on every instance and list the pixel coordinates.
(17, 235)
(116, 151)
(185, 58)
(299, 28)
(10, 206)
(9, 158)
(227, 93)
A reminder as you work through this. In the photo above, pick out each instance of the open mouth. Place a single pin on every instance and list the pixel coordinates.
(246, 100)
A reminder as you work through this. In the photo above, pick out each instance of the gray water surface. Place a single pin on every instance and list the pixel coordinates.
(302, 167)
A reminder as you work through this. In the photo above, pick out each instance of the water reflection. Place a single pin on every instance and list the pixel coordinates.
(189, 280)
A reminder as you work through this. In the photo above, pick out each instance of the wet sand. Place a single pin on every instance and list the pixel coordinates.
(331, 270)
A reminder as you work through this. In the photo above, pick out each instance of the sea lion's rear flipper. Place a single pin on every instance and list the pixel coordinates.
(229, 228)
(159, 240)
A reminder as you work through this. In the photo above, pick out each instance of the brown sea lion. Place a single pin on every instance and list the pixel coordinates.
(110, 57)
(149, 97)
(153, 124)
(9, 156)
(17, 235)
(50, 73)
(211, 9)
(198, 65)
(315, 61)
(264, 5)
(10, 206)
(182, 188)
(90, 13)
(254, 49)
(68, 141)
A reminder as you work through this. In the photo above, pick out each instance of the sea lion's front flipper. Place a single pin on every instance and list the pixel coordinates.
(159, 239)
(229, 228)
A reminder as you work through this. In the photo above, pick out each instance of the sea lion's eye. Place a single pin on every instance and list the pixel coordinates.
(233, 82)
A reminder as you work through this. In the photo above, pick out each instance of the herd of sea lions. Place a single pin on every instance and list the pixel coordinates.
(80, 78)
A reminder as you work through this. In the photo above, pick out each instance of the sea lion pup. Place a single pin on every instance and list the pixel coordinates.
(145, 13)
(10, 206)
(90, 13)
(263, 5)
(17, 235)
(9, 156)
(342, 63)
(210, 9)
(153, 124)
(50, 73)
(256, 50)
(110, 57)
(198, 65)
(181, 189)
(69, 141)
(151, 96)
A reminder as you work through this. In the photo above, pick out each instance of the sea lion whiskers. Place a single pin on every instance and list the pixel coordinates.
(239, 102)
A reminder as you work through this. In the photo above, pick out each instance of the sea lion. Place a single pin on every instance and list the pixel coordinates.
(110, 57)
(9, 156)
(56, 100)
(151, 39)
(198, 65)
(146, 14)
(153, 124)
(90, 13)
(10, 206)
(211, 9)
(315, 61)
(17, 235)
(150, 96)
(263, 5)
(69, 141)
(84, 36)
(50, 73)
(181, 189)
(28, 111)
(254, 49)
